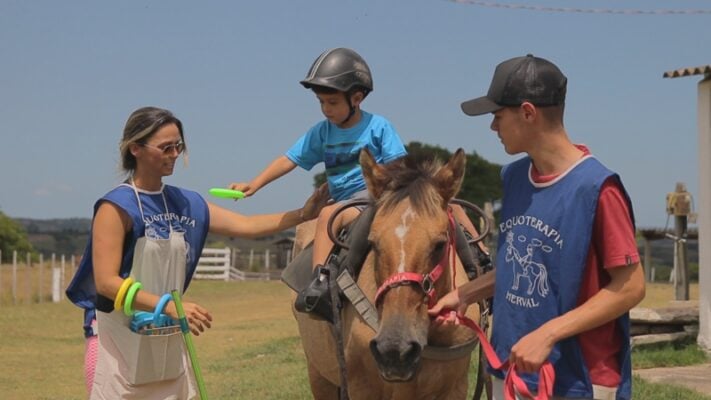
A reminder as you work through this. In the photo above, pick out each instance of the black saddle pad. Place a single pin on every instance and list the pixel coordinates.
(298, 273)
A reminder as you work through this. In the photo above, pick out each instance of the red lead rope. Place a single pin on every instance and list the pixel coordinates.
(512, 382)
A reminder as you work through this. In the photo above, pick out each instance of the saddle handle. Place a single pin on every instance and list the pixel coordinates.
(476, 210)
(329, 227)
(364, 202)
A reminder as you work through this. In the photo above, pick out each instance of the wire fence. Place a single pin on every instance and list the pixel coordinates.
(28, 281)
(578, 10)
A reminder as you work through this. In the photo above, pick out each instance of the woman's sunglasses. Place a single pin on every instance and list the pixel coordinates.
(168, 148)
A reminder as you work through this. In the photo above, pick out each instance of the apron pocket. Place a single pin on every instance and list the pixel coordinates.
(146, 358)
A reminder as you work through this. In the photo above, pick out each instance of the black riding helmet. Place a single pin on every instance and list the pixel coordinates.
(343, 70)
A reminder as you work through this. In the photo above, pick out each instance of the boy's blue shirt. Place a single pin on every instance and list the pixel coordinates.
(339, 149)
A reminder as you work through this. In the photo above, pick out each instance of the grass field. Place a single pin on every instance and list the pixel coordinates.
(252, 351)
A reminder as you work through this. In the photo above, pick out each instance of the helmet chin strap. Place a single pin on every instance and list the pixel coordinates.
(350, 114)
(350, 107)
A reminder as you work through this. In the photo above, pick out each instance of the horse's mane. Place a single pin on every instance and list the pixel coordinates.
(412, 177)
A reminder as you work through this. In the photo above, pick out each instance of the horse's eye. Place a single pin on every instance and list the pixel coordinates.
(373, 246)
(438, 248)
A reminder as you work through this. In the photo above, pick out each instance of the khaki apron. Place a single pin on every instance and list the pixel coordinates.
(135, 366)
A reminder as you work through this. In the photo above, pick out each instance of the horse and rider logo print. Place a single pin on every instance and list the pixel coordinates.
(530, 278)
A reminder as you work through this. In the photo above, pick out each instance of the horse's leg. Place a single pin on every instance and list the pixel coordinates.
(321, 388)
(534, 282)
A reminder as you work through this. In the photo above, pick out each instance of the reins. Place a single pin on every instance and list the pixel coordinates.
(513, 382)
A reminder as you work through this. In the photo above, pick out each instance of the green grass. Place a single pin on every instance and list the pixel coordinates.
(252, 352)
(644, 390)
(668, 355)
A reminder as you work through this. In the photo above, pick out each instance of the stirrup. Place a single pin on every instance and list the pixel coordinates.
(315, 299)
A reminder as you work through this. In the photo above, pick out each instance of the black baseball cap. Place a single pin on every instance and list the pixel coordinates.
(532, 79)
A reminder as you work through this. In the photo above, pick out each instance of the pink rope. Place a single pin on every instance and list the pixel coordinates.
(513, 382)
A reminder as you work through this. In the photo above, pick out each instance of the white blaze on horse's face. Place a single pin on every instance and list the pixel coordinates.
(400, 232)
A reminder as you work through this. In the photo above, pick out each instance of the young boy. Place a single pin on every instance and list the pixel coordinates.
(341, 80)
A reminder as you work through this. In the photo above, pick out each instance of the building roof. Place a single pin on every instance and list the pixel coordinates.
(688, 71)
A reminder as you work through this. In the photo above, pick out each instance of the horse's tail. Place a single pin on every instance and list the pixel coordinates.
(543, 281)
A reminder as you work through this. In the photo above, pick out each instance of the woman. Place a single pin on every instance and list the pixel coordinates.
(153, 233)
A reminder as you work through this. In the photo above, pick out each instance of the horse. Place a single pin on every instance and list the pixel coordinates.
(524, 266)
(410, 235)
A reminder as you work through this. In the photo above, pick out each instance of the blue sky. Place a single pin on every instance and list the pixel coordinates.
(73, 71)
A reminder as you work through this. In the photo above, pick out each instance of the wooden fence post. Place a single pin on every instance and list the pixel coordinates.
(41, 277)
(14, 277)
(55, 284)
(61, 280)
(28, 278)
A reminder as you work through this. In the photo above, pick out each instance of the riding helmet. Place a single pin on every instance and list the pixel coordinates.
(341, 69)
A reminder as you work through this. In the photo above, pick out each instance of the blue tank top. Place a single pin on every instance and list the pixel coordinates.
(544, 238)
(187, 212)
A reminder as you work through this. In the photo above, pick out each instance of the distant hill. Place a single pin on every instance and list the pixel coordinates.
(66, 236)
(69, 236)
(77, 225)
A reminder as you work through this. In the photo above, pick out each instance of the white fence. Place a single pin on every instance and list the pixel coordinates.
(214, 264)
(217, 264)
(28, 281)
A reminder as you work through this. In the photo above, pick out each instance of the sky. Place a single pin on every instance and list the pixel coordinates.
(72, 71)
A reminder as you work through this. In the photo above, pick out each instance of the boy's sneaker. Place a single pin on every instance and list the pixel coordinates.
(315, 299)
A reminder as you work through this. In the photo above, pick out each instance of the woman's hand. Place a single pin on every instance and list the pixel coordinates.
(315, 203)
(198, 317)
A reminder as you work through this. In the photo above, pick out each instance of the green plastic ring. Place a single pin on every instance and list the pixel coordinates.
(130, 296)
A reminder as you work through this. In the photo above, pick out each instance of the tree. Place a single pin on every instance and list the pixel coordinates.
(482, 182)
(12, 237)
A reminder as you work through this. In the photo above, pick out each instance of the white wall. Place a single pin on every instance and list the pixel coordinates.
(704, 210)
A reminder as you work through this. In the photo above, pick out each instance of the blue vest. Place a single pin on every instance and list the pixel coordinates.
(544, 238)
(187, 212)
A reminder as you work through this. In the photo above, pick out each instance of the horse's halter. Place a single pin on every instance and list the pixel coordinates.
(426, 281)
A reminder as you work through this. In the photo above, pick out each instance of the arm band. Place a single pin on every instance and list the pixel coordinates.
(161, 305)
(130, 296)
(118, 301)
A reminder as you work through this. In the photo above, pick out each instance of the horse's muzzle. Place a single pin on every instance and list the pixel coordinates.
(397, 360)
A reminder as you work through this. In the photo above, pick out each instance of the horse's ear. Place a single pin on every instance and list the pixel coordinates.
(449, 178)
(374, 173)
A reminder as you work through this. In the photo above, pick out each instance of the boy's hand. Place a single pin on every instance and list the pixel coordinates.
(315, 203)
(245, 188)
(451, 302)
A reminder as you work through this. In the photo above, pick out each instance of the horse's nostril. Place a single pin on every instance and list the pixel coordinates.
(395, 352)
(413, 353)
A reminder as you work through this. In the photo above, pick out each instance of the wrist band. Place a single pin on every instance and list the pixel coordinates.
(130, 296)
(161, 305)
(118, 301)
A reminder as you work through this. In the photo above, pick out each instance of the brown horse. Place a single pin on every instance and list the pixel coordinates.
(410, 236)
